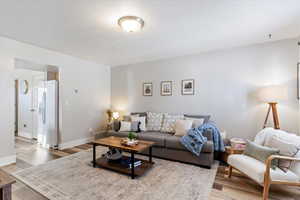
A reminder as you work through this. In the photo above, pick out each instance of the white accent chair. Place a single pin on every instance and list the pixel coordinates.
(262, 173)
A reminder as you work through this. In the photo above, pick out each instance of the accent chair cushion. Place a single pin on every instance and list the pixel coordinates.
(285, 148)
(255, 169)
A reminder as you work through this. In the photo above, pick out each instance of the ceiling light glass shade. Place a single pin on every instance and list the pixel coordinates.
(131, 23)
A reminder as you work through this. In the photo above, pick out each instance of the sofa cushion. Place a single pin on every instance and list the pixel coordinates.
(168, 124)
(182, 127)
(118, 134)
(157, 137)
(173, 142)
(205, 117)
(154, 121)
(255, 169)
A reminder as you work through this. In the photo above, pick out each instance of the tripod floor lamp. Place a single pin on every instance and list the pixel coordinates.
(272, 95)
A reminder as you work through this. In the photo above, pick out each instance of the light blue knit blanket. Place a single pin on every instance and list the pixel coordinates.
(194, 139)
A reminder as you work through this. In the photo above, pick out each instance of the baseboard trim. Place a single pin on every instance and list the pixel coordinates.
(74, 143)
(7, 160)
(25, 134)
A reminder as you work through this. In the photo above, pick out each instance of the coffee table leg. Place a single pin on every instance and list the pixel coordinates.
(150, 154)
(132, 165)
(5, 193)
(94, 155)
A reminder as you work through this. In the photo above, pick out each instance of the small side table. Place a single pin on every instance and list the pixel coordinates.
(229, 151)
(5, 185)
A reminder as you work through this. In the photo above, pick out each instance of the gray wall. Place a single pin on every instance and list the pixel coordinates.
(225, 85)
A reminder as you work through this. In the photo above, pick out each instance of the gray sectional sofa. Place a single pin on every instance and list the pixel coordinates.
(168, 146)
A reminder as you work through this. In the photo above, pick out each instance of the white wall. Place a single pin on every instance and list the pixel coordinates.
(80, 111)
(225, 84)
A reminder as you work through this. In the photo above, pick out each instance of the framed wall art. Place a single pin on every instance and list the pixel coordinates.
(166, 88)
(147, 89)
(188, 87)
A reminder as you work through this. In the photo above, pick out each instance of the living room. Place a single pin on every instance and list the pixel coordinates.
(224, 72)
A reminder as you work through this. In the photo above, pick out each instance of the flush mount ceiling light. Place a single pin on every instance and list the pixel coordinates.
(131, 23)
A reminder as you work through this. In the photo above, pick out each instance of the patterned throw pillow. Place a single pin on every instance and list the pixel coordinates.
(169, 122)
(142, 121)
(154, 121)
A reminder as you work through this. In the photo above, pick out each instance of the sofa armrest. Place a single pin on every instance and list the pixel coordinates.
(208, 134)
(269, 164)
(101, 134)
(208, 147)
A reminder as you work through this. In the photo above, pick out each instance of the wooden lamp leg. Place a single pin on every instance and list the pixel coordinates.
(275, 115)
(266, 119)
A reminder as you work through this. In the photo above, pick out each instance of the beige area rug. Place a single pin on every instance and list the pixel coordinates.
(72, 177)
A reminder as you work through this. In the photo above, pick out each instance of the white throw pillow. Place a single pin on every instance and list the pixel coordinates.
(125, 126)
(169, 122)
(154, 121)
(135, 118)
(196, 121)
(182, 127)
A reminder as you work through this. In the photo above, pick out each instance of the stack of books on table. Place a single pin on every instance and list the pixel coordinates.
(127, 162)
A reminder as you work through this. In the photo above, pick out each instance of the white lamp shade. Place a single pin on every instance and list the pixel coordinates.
(272, 94)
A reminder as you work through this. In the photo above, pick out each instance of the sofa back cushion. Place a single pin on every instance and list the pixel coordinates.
(205, 117)
(154, 121)
(182, 127)
(140, 114)
(168, 124)
(141, 120)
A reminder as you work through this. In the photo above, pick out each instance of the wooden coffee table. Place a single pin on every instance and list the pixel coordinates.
(115, 142)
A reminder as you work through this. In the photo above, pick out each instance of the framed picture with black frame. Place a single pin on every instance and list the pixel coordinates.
(188, 87)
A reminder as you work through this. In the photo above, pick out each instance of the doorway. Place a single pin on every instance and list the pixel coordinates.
(36, 103)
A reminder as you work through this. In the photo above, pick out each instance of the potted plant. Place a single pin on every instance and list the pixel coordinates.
(131, 136)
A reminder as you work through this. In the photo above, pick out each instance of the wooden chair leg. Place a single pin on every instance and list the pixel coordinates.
(229, 171)
(266, 190)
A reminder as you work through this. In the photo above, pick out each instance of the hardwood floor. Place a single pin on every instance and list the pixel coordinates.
(237, 188)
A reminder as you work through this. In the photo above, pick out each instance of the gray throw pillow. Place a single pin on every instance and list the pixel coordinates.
(261, 153)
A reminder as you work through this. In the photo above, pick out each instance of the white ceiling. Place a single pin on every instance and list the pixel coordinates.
(88, 28)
